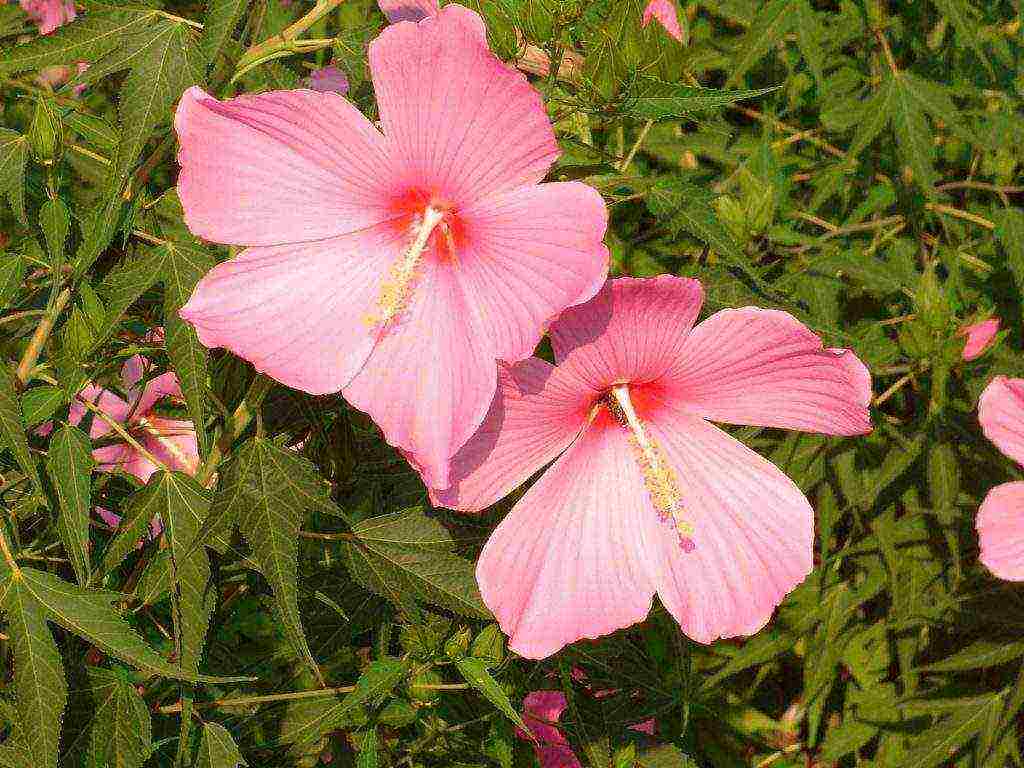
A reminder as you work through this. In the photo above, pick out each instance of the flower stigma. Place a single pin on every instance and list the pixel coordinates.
(397, 287)
(659, 477)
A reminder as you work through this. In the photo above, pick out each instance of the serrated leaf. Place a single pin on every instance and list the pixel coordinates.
(13, 157)
(266, 491)
(913, 136)
(183, 266)
(94, 130)
(1010, 234)
(849, 736)
(39, 403)
(809, 39)
(55, 221)
(377, 681)
(90, 615)
(70, 464)
(121, 733)
(222, 17)
(404, 567)
(666, 756)
(100, 227)
(121, 288)
(368, 744)
(12, 425)
(980, 654)
(475, 672)
(41, 690)
(772, 22)
(943, 740)
(877, 112)
(217, 749)
(933, 99)
(658, 100)
(943, 471)
(12, 272)
(966, 20)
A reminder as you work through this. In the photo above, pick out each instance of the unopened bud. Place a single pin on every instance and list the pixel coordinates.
(46, 133)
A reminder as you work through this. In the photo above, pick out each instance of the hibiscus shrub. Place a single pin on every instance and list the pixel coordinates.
(324, 439)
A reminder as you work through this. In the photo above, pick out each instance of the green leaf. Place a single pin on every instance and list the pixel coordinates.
(139, 510)
(12, 272)
(222, 17)
(183, 266)
(13, 157)
(943, 472)
(848, 737)
(55, 221)
(88, 614)
(658, 100)
(368, 746)
(12, 425)
(474, 672)
(100, 227)
(941, 742)
(980, 654)
(183, 505)
(70, 466)
(121, 733)
(266, 490)
(400, 557)
(913, 136)
(39, 403)
(41, 691)
(217, 749)
(1010, 234)
(772, 23)
(376, 682)
(933, 98)
(967, 21)
(121, 288)
(665, 756)
(809, 39)
(876, 113)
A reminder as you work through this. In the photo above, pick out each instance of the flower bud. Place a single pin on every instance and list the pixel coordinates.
(457, 644)
(46, 133)
(489, 645)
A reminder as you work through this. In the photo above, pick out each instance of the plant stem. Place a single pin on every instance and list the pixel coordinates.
(234, 427)
(6, 549)
(636, 146)
(123, 433)
(957, 213)
(258, 51)
(35, 346)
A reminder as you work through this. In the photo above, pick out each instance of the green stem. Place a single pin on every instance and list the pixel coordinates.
(42, 333)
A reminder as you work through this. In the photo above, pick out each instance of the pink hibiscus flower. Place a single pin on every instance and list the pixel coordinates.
(541, 709)
(409, 10)
(49, 14)
(979, 337)
(329, 78)
(1000, 521)
(665, 13)
(646, 496)
(395, 267)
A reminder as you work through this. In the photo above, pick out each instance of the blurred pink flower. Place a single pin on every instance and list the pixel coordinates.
(646, 496)
(665, 13)
(541, 709)
(327, 79)
(56, 76)
(409, 10)
(1000, 521)
(979, 336)
(395, 267)
(49, 14)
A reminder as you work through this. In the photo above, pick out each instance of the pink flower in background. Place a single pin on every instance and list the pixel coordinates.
(56, 76)
(646, 496)
(1000, 520)
(49, 14)
(541, 709)
(395, 267)
(665, 13)
(328, 79)
(409, 10)
(979, 337)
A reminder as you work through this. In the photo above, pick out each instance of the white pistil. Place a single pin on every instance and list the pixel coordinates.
(659, 478)
(395, 292)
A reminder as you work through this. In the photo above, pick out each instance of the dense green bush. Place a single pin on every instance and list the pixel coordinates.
(858, 165)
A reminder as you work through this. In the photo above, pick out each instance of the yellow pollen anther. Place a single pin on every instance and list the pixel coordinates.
(397, 288)
(659, 477)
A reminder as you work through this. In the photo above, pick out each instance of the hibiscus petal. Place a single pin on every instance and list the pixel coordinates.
(409, 10)
(528, 254)
(459, 123)
(278, 167)
(570, 560)
(111, 405)
(753, 532)
(537, 411)
(431, 377)
(665, 12)
(298, 312)
(1000, 526)
(164, 385)
(1001, 413)
(540, 709)
(173, 442)
(763, 367)
(632, 330)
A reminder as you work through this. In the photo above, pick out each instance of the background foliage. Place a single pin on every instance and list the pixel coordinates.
(332, 615)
